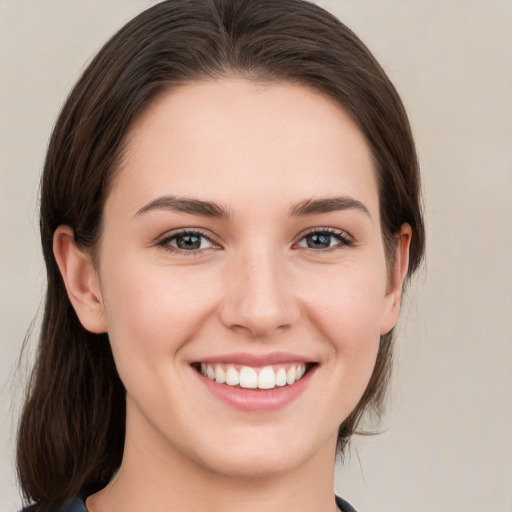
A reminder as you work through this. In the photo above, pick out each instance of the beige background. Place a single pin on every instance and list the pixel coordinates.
(447, 444)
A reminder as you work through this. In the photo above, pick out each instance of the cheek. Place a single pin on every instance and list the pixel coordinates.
(152, 311)
(349, 305)
(347, 315)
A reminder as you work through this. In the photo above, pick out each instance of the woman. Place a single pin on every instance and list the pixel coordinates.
(229, 212)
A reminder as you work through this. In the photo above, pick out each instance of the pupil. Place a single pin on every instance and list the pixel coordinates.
(189, 242)
(318, 241)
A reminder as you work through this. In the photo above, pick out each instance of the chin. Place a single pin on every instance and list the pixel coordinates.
(254, 466)
(258, 458)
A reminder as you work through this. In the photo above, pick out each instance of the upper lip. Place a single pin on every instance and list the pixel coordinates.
(246, 359)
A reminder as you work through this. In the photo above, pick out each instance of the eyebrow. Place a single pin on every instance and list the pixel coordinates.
(211, 209)
(185, 205)
(326, 205)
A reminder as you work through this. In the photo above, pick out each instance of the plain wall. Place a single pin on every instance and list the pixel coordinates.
(447, 440)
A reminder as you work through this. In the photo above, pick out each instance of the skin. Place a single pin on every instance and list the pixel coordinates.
(258, 151)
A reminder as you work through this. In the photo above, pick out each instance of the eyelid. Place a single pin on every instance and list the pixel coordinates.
(164, 240)
(346, 240)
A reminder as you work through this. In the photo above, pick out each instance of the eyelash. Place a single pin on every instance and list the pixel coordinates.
(343, 238)
(165, 243)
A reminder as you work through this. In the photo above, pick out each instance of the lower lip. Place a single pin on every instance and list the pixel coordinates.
(249, 400)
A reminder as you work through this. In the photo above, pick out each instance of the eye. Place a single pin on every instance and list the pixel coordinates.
(327, 238)
(187, 241)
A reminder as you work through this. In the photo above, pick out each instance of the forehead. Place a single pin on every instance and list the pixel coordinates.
(233, 138)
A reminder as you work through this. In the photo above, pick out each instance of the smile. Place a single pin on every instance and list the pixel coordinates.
(247, 377)
(256, 383)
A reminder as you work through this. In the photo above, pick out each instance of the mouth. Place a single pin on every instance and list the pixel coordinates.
(254, 383)
(264, 378)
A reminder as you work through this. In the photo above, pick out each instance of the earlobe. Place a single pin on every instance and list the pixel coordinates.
(81, 280)
(396, 278)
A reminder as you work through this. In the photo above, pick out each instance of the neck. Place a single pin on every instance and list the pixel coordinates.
(155, 476)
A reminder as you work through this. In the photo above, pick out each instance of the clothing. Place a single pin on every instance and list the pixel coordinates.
(344, 506)
(78, 505)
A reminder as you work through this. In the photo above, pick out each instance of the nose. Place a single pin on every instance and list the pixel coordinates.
(259, 298)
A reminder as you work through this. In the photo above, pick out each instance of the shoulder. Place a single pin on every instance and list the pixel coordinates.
(76, 505)
(344, 506)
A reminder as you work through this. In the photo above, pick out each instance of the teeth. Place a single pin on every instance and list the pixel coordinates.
(267, 378)
(232, 377)
(220, 376)
(281, 377)
(249, 378)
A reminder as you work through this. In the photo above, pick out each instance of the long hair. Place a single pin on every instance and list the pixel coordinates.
(72, 429)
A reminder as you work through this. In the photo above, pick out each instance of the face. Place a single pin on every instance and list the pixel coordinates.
(242, 241)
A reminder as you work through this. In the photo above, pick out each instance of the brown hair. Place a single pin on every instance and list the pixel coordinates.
(71, 432)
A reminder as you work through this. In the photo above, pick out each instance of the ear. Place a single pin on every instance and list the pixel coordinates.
(396, 278)
(81, 280)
